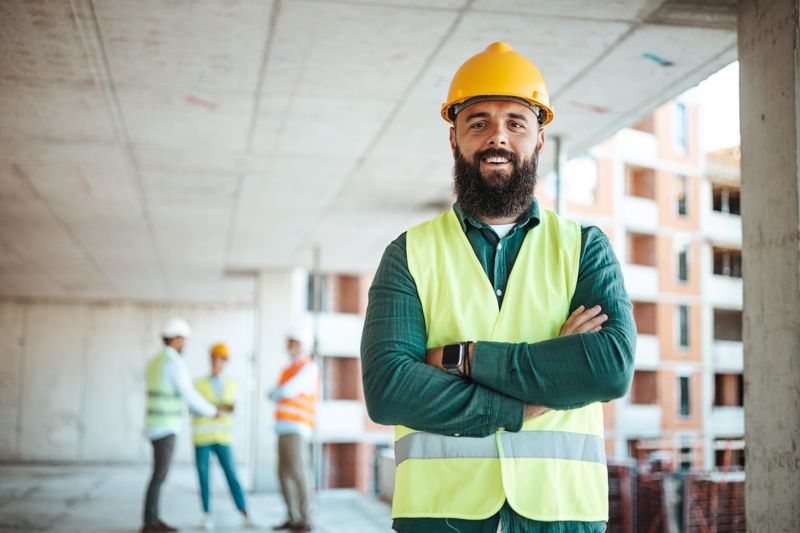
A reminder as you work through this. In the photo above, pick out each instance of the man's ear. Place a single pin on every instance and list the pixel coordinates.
(540, 146)
(453, 140)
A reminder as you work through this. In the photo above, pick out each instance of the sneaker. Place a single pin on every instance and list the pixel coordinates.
(207, 523)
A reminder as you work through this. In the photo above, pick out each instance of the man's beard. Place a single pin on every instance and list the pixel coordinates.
(498, 195)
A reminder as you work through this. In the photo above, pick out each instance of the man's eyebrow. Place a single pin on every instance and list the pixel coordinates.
(476, 114)
(518, 116)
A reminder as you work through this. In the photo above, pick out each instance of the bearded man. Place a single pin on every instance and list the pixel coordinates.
(494, 331)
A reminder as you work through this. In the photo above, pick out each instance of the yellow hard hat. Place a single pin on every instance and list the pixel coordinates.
(220, 350)
(498, 71)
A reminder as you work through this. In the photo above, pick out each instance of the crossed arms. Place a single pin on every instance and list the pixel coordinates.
(560, 373)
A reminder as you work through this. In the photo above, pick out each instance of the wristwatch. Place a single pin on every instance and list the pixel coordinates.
(455, 357)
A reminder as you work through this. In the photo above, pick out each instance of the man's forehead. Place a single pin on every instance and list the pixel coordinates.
(496, 108)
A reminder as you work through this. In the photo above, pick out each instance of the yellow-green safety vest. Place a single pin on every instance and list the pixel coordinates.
(164, 403)
(217, 430)
(554, 468)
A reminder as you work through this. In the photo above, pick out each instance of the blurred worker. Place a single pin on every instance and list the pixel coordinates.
(168, 387)
(494, 331)
(215, 435)
(296, 395)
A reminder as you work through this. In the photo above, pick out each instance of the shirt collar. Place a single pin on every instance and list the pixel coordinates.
(529, 219)
(172, 352)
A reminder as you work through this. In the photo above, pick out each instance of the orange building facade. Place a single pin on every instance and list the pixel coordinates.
(672, 215)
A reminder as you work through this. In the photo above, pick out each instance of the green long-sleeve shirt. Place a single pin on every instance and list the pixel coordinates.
(560, 373)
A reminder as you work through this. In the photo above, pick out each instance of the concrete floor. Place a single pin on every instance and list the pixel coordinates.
(109, 498)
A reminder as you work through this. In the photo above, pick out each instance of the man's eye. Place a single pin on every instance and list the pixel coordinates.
(477, 125)
(516, 125)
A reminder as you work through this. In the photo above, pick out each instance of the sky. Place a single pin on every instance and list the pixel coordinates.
(719, 109)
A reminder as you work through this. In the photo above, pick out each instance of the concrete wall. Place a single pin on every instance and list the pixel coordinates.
(72, 376)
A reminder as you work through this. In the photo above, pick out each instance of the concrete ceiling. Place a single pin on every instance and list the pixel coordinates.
(156, 150)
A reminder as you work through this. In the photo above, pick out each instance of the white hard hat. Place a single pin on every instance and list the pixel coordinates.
(176, 327)
(300, 334)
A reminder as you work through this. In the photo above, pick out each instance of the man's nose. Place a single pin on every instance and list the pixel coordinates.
(497, 136)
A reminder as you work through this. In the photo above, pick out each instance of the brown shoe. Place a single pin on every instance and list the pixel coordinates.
(285, 525)
(301, 528)
(162, 527)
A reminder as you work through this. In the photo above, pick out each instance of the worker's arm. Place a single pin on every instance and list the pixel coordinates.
(399, 388)
(573, 370)
(179, 374)
(304, 381)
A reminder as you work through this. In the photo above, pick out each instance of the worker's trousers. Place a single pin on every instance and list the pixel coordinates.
(162, 456)
(294, 473)
(225, 455)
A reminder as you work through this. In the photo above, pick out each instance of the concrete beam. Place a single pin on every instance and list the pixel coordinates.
(769, 38)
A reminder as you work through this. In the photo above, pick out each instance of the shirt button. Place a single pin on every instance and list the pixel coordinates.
(499, 292)
(499, 246)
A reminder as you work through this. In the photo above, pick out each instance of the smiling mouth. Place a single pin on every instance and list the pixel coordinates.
(495, 160)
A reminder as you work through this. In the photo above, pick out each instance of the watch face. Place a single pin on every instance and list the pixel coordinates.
(451, 355)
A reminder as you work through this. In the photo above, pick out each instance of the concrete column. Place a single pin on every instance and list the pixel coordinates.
(769, 40)
(279, 304)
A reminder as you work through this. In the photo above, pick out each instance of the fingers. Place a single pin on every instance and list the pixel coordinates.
(584, 320)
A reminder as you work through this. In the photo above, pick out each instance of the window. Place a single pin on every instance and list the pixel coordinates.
(644, 313)
(725, 199)
(641, 182)
(683, 263)
(728, 390)
(727, 325)
(683, 396)
(686, 457)
(727, 262)
(324, 292)
(643, 389)
(729, 453)
(682, 196)
(641, 249)
(681, 126)
(683, 326)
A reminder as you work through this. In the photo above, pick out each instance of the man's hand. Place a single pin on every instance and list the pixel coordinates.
(532, 411)
(226, 407)
(583, 320)
(433, 357)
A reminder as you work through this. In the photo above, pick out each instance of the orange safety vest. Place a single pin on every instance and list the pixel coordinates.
(303, 407)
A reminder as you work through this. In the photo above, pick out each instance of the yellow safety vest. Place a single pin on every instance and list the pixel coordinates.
(554, 468)
(217, 430)
(164, 403)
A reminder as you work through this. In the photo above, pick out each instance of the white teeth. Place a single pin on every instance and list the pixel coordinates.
(496, 160)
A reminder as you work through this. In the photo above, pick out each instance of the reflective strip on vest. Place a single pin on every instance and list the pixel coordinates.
(530, 444)
(217, 430)
(300, 409)
(164, 403)
(553, 469)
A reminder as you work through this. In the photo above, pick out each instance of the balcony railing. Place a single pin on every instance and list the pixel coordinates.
(641, 282)
(639, 420)
(636, 146)
(722, 228)
(339, 334)
(725, 291)
(648, 352)
(340, 421)
(640, 214)
(727, 421)
(727, 356)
